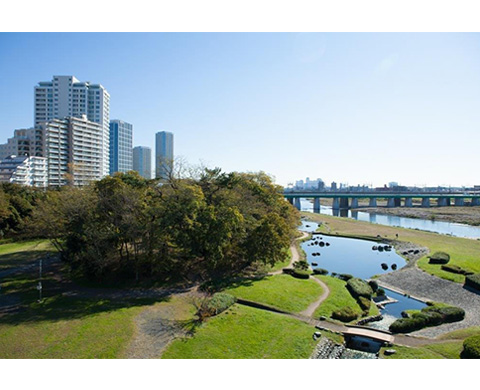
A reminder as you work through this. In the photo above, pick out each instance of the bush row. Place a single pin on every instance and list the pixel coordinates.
(456, 269)
(471, 348)
(473, 281)
(439, 258)
(345, 314)
(429, 316)
(220, 302)
(301, 274)
(359, 288)
(320, 271)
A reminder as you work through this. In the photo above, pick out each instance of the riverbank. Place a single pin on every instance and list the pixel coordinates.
(464, 215)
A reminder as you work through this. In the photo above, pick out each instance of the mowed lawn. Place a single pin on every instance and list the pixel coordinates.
(16, 254)
(68, 328)
(338, 298)
(281, 291)
(463, 252)
(246, 333)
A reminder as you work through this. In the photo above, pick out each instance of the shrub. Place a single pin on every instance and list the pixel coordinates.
(359, 288)
(448, 313)
(301, 274)
(380, 292)
(320, 271)
(345, 314)
(473, 281)
(455, 269)
(407, 325)
(345, 277)
(364, 303)
(439, 258)
(373, 284)
(471, 348)
(220, 302)
(288, 271)
(301, 265)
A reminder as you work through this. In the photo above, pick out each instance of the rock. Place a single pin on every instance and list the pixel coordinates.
(389, 352)
(323, 318)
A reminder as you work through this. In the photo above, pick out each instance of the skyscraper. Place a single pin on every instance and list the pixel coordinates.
(65, 96)
(120, 146)
(73, 149)
(142, 161)
(163, 154)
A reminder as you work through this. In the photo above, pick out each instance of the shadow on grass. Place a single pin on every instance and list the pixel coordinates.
(220, 285)
(8, 261)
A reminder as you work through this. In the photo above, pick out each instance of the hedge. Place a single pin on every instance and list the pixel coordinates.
(345, 314)
(473, 281)
(320, 271)
(345, 277)
(429, 316)
(471, 348)
(373, 284)
(455, 269)
(364, 303)
(359, 288)
(439, 258)
(220, 302)
(301, 274)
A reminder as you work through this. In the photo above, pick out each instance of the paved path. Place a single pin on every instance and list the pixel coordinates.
(420, 284)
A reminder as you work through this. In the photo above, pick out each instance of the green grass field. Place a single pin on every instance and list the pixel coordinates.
(281, 291)
(23, 253)
(246, 333)
(463, 252)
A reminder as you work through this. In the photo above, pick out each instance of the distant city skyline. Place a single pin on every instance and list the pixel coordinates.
(346, 107)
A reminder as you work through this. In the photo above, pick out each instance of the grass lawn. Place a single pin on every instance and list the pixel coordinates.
(463, 252)
(281, 264)
(281, 291)
(23, 252)
(246, 333)
(339, 297)
(72, 328)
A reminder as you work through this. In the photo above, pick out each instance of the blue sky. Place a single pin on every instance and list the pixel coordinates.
(350, 107)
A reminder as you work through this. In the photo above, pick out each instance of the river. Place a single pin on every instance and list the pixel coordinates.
(449, 228)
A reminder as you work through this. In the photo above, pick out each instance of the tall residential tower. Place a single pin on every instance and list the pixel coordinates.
(65, 96)
(163, 154)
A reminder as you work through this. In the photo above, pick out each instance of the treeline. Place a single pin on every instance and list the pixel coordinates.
(125, 227)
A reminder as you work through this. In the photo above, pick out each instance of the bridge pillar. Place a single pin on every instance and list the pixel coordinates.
(475, 201)
(449, 202)
(290, 200)
(441, 202)
(297, 203)
(408, 202)
(344, 203)
(316, 205)
(354, 204)
(373, 202)
(336, 204)
(426, 202)
(391, 202)
(459, 201)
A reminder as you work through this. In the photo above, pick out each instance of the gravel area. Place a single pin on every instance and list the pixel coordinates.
(420, 284)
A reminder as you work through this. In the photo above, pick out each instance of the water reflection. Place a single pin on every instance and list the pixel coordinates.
(450, 228)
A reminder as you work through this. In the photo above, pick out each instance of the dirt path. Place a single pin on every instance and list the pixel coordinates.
(295, 254)
(310, 310)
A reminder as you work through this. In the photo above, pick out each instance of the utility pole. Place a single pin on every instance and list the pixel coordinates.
(39, 286)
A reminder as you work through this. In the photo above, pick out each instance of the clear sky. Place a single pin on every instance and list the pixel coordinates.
(351, 107)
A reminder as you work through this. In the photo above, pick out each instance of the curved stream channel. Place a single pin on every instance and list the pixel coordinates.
(356, 257)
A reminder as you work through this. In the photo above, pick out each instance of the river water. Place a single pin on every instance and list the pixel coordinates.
(450, 228)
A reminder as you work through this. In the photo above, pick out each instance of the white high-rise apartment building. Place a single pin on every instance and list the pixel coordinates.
(65, 96)
(24, 142)
(24, 170)
(74, 151)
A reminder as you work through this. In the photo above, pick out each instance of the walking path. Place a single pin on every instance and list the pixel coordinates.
(295, 254)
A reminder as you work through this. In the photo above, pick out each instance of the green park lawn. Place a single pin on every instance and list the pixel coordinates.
(246, 333)
(22, 253)
(463, 252)
(281, 291)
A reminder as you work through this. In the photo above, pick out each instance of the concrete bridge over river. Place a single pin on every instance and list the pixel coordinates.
(349, 200)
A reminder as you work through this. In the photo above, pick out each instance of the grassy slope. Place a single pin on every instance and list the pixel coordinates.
(23, 252)
(463, 252)
(68, 328)
(281, 291)
(246, 333)
(338, 298)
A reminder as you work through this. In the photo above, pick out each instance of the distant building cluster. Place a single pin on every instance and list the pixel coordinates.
(73, 141)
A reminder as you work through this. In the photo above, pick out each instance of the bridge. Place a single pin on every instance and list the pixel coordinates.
(347, 200)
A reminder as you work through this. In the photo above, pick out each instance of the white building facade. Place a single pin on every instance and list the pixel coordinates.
(66, 96)
(24, 141)
(24, 170)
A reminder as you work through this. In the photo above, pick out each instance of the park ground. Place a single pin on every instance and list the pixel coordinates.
(83, 322)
